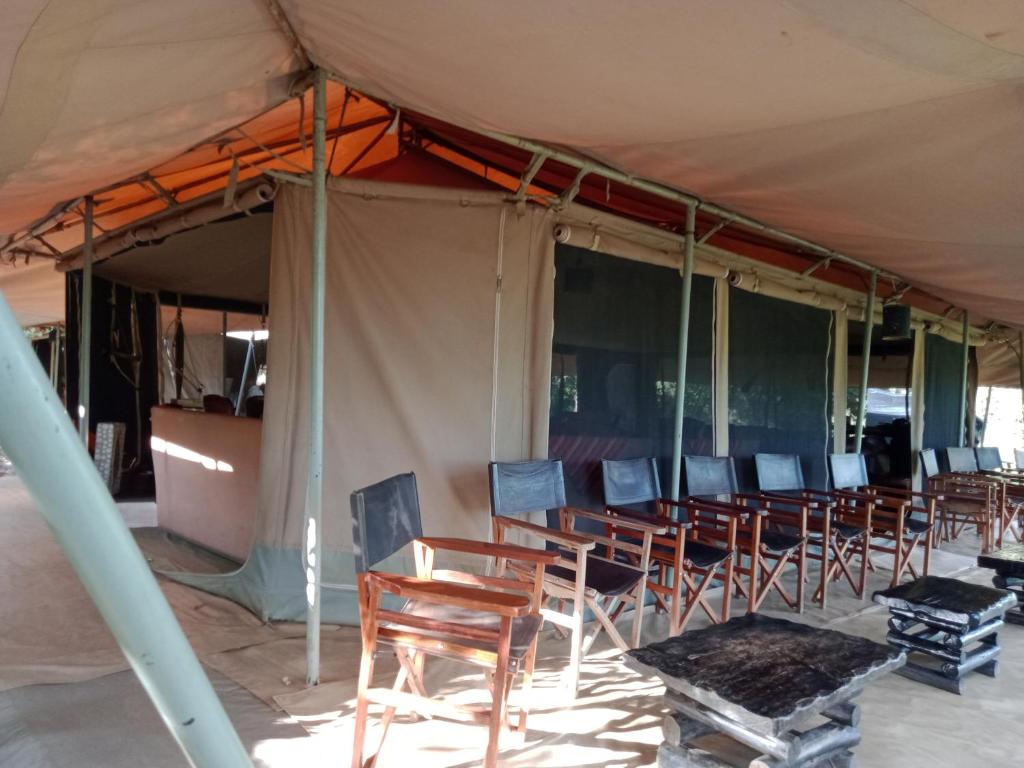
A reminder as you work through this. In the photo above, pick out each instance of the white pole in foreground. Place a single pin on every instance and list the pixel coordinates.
(314, 488)
(85, 328)
(52, 462)
(684, 343)
(869, 326)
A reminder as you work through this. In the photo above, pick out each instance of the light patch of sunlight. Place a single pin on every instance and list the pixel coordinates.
(160, 445)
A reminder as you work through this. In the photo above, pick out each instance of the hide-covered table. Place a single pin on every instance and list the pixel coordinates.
(949, 627)
(1008, 563)
(780, 691)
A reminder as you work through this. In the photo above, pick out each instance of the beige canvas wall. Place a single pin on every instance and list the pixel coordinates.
(412, 380)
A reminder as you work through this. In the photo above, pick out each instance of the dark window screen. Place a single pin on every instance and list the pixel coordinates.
(613, 372)
(942, 371)
(779, 368)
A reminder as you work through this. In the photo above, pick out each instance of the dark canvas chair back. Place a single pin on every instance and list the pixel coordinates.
(520, 487)
(988, 458)
(385, 517)
(710, 475)
(848, 470)
(961, 460)
(1018, 458)
(929, 463)
(630, 481)
(778, 472)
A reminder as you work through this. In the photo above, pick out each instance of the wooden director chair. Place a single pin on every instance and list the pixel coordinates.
(967, 500)
(679, 559)
(990, 464)
(604, 584)
(841, 530)
(764, 545)
(485, 621)
(892, 513)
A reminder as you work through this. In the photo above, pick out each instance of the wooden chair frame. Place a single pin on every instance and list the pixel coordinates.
(780, 480)
(891, 507)
(579, 548)
(762, 574)
(675, 571)
(413, 637)
(967, 500)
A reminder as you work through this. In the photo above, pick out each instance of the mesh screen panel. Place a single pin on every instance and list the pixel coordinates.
(942, 370)
(779, 390)
(613, 373)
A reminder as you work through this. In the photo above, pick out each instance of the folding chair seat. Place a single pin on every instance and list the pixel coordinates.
(681, 562)
(892, 513)
(582, 577)
(485, 621)
(606, 577)
(521, 638)
(762, 537)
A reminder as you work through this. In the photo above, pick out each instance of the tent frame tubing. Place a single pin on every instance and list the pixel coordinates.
(38, 436)
(314, 487)
(85, 329)
(869, 326)
(965, 431)
(684, 343)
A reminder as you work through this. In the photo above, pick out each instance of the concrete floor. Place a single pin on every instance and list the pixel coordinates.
(108, 722)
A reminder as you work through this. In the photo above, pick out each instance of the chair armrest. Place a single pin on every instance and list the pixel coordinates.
(643, 526)
(734, 510)
(796, 501)
(512, 551)
(937, 495)
(580, 543)
(450, 593)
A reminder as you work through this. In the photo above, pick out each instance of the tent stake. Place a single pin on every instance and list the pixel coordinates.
(684, 343)
(869, 326)
(314, 489)
(965, 346)
(37, 435)
(85, 329)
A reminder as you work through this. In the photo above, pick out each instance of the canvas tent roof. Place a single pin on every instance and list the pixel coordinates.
(889, 131)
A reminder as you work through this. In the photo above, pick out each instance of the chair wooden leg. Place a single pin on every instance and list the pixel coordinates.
(362, 708)
(640, 595)
(527, 687)
(826, 575)
(576, 648)
(498, 701)
(388, 716)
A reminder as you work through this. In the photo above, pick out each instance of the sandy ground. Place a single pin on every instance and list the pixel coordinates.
(103, 718)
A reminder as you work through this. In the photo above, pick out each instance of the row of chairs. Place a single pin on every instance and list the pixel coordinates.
(979, 491)
(677, 549)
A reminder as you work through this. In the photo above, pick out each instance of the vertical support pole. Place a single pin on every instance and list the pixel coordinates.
(965, 347)
(984, 421)
(1020, 359)
(37, 435)
(684, 343)
(250, 353)
(224, 388)
(869, 325)
(314, 489)
(840, 370)
(85, 328)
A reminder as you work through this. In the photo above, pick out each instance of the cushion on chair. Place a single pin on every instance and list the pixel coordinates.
(778, 543)
(847, 531)
(524, 628)
(603, 577)
(915, 526)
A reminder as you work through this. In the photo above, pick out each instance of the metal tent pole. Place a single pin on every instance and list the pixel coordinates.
(684, 343)
(314, 489)
(250, 352)
(965, 346)
(869, 326)
(37, 435)
(85, 329)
